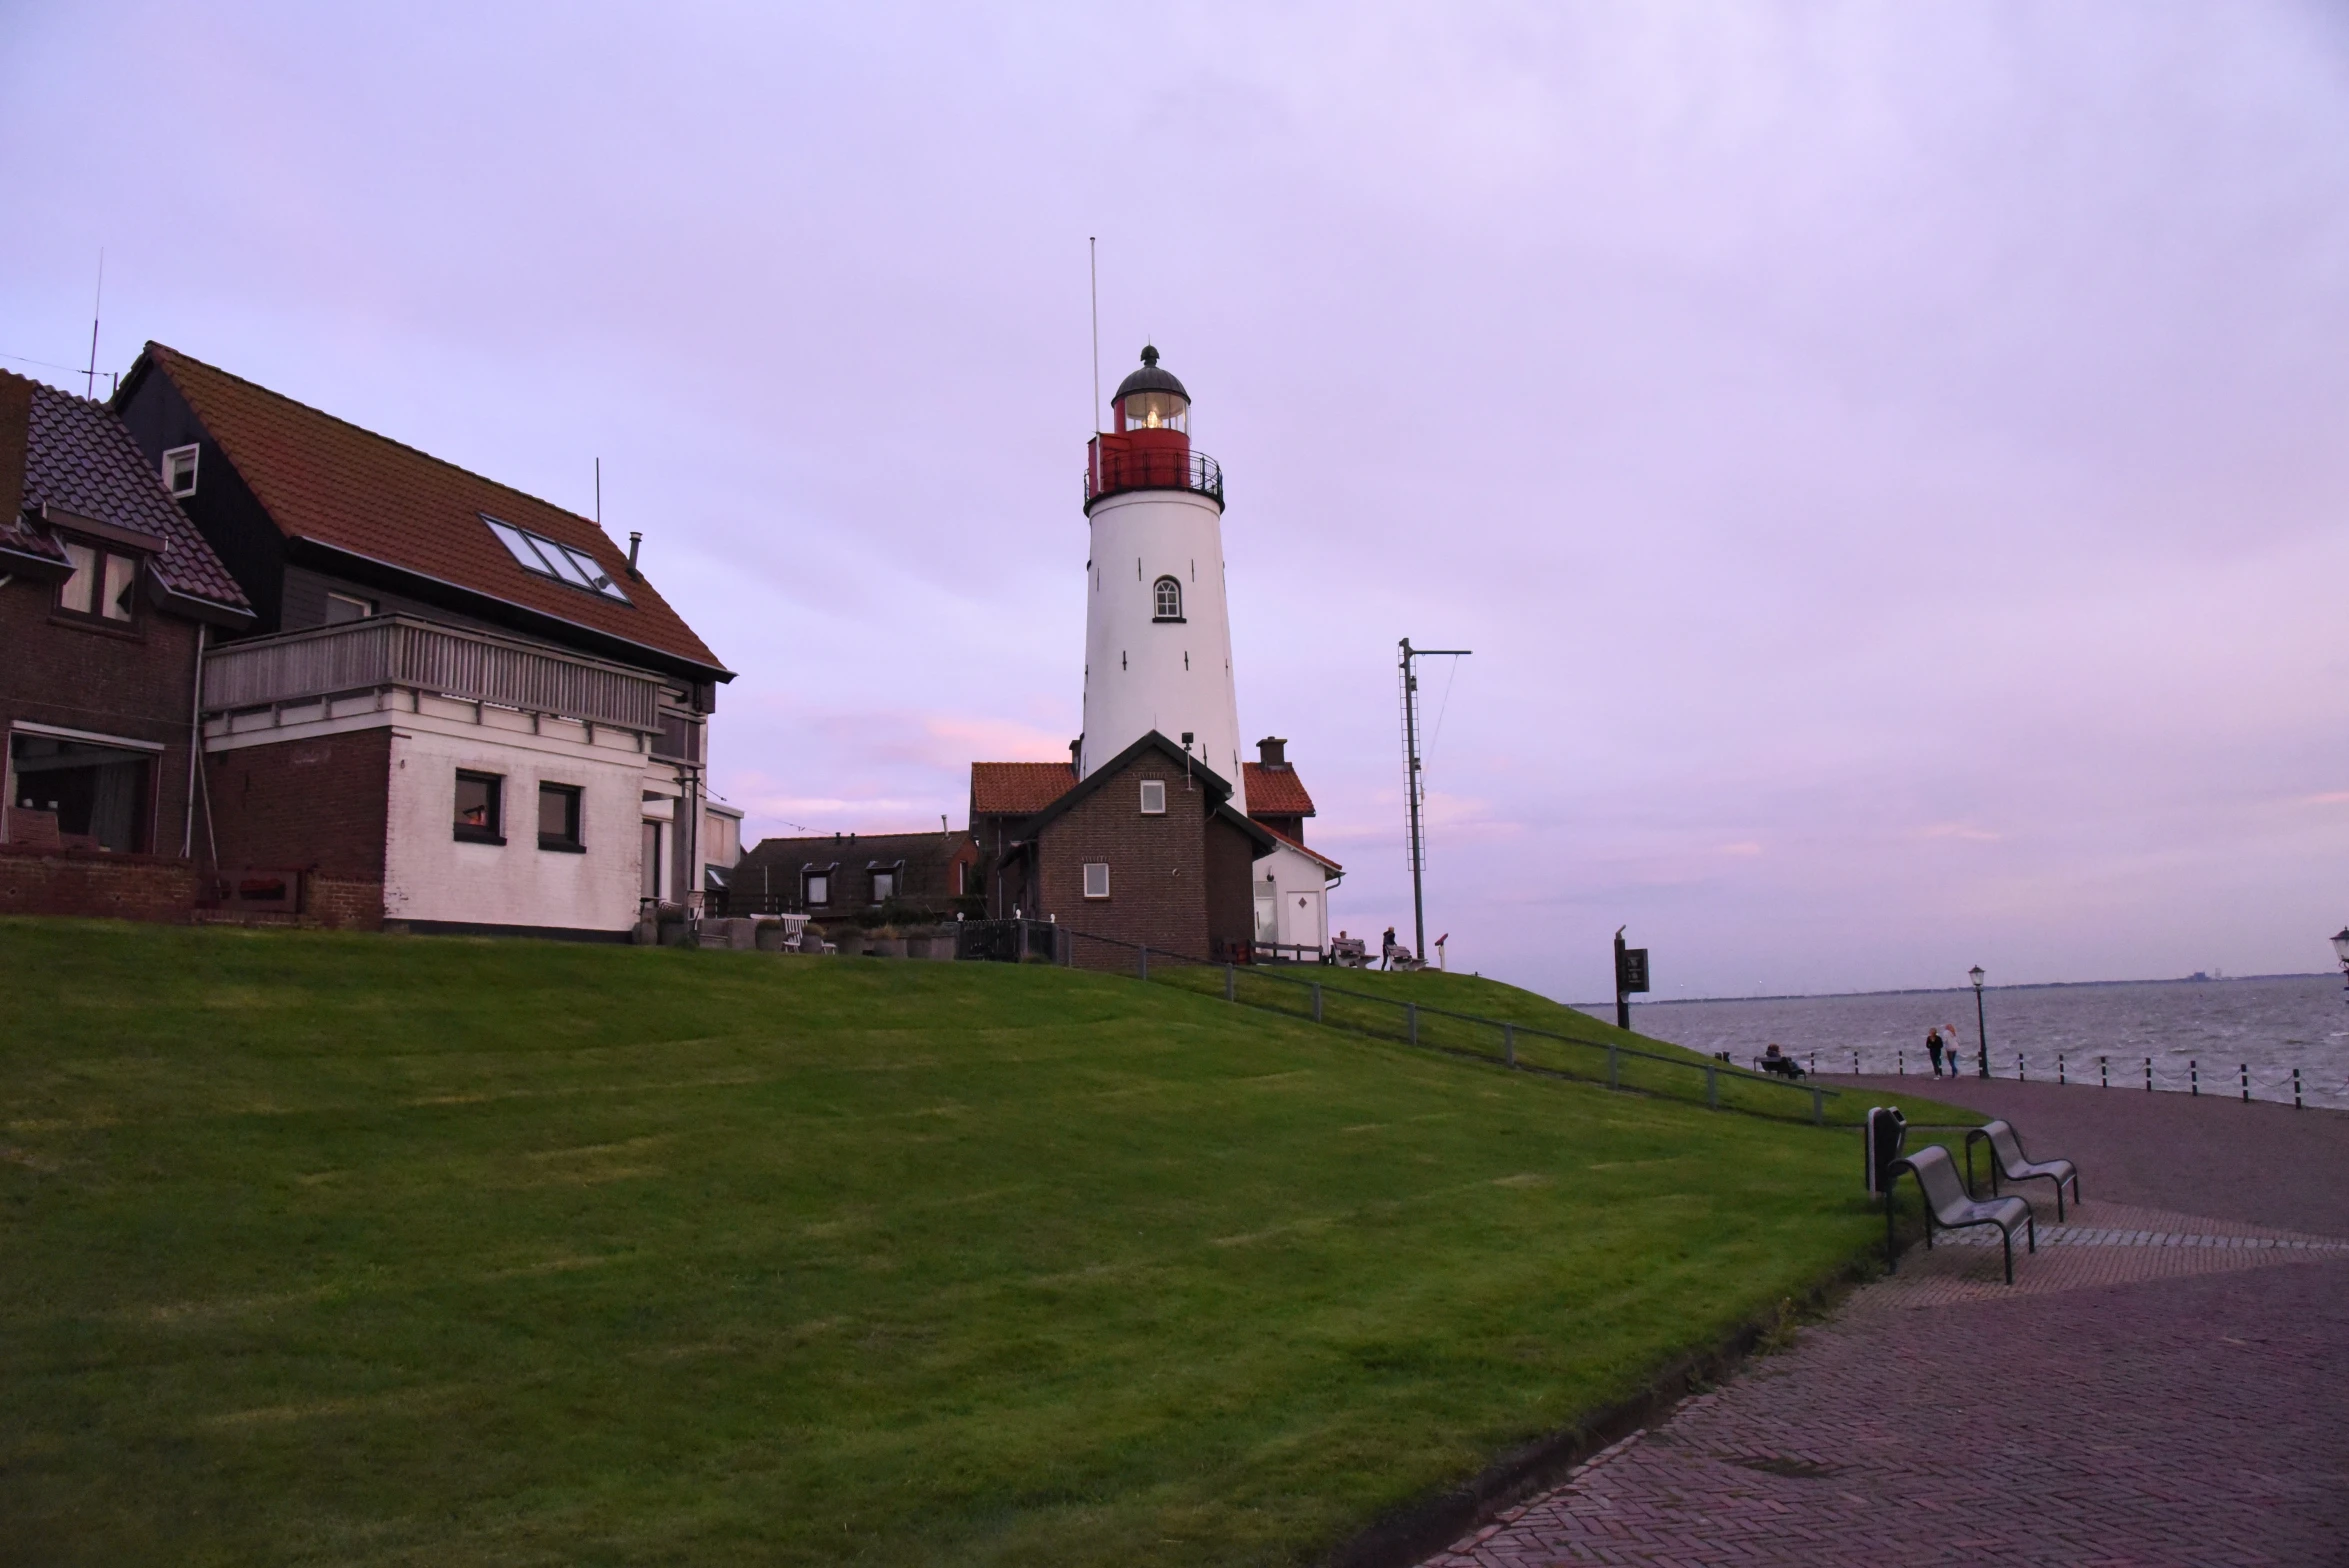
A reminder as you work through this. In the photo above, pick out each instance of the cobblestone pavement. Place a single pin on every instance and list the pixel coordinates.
(2167, 1383)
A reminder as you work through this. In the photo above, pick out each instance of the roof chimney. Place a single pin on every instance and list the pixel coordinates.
(635, 539)
(1273, 752)
(1076, 753)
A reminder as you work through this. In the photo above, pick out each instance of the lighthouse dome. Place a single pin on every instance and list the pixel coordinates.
(1151, 398)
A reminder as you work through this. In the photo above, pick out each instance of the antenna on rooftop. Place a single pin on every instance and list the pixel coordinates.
(1093, 267)
(90, 382)
(599, 492)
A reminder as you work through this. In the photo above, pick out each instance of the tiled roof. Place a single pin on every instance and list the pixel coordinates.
(1276, 792)
(791, 855)
(324, 479)
(1018, 788)
(79, 458)
(1298, 845)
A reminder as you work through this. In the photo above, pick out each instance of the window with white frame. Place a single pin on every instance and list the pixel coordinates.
(1167, 600)
(1154, 797)
(884, 886)
(819, 889)
(342, 608)
(539, 554)
(179, 470)
(1097, 879)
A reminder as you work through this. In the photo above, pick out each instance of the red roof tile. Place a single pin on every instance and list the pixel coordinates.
(80, 458)
(1276, 792)
(324, 479)
(1018, 788)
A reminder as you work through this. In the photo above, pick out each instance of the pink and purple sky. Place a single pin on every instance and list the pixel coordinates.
(1891, 462)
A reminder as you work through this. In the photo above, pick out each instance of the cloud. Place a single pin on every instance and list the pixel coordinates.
(1960, 830)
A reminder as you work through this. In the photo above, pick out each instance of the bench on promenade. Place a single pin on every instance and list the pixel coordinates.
(1784, 1066)
(1947, 1205)
(2006, 1157)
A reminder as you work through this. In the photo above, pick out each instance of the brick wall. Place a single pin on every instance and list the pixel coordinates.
(319, 805)
(1158, 866)
(136, 685)
(1231, 895)
(87, 882)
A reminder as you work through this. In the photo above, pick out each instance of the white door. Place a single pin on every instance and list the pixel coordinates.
(1306, 913)
(1267, 914)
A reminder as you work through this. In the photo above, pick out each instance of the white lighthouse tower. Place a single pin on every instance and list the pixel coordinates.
(1158, 639)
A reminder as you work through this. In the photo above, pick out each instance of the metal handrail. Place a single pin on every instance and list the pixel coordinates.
(427, 656)
(1116, 471)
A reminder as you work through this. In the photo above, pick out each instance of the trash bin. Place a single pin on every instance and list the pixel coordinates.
(1887, 1134)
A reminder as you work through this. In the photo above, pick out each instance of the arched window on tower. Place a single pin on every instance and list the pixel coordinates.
(1169, 600)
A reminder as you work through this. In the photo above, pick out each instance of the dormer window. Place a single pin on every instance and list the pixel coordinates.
(542, 556)
(1166, 600)
(103, 585)
(179, 471)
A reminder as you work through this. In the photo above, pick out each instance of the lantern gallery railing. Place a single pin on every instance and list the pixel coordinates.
(395, 650)
(1114, 470)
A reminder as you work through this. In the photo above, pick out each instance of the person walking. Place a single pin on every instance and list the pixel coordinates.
(1933, 1049)
(1386, 948)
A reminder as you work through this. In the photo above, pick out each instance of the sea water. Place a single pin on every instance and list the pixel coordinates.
(2208, 1031)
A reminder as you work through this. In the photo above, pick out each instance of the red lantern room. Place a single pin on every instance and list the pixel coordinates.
(1148, 444)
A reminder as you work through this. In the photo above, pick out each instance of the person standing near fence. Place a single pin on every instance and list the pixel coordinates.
(1386, 948)
(1933, 1049)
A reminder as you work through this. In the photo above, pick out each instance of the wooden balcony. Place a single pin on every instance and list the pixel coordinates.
(388, 652)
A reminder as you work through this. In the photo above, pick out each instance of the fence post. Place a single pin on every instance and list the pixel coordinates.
(1855, 1064)
(1614, 1075)
(1509, 1044)
(2149, 1075)
(2059, 1068)
(1900, 1063)
(1818, 1107)
(1412, 1008)
(1712, 1087)
(2018, 1067)
(2296, 1089)
(2194, 1077)
(1231, 983)
(1317, 1001)
(2104, 1072)
(1144, 960)
(2246, 1071)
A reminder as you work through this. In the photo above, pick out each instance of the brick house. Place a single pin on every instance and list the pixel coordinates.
(107, 596)
(1147, 849)
(458, 707)
(844, 875)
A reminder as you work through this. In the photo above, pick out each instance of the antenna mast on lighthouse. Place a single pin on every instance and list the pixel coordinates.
(1414, 786)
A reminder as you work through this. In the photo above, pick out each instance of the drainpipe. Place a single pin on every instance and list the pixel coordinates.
(187, 842)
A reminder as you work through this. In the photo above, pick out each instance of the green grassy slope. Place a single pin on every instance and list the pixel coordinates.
(1650, 1066)
(371, 1250)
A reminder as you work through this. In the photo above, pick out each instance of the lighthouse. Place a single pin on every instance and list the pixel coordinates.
(1158, 639)
(1155, 836)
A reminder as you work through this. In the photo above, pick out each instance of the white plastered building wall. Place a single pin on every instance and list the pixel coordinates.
(1292, 900)
(1143, 673)
(429, 874)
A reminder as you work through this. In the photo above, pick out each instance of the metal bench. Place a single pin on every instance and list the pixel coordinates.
(1947, 1205)
(2006, 1158)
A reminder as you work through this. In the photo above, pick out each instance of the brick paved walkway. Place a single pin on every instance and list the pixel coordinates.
(2162, 1386)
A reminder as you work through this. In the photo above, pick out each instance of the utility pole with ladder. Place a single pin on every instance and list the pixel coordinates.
(1414, 788)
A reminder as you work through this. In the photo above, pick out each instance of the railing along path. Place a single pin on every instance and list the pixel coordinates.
(1515, 1046)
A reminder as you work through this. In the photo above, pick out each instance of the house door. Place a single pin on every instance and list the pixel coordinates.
(1267, 913)
(1306, 912)
(652, 858)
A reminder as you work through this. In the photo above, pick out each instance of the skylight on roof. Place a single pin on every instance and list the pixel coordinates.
(539, 554)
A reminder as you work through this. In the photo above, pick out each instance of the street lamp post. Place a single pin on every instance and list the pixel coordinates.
(1981, 1028)
(2341, 950)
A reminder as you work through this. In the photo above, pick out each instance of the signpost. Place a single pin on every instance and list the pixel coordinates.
(1631, 975)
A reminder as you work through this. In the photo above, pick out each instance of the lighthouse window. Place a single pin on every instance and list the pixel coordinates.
(1168, 595)
(1157, 411)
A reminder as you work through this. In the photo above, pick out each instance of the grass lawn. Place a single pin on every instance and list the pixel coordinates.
(378, 1250)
